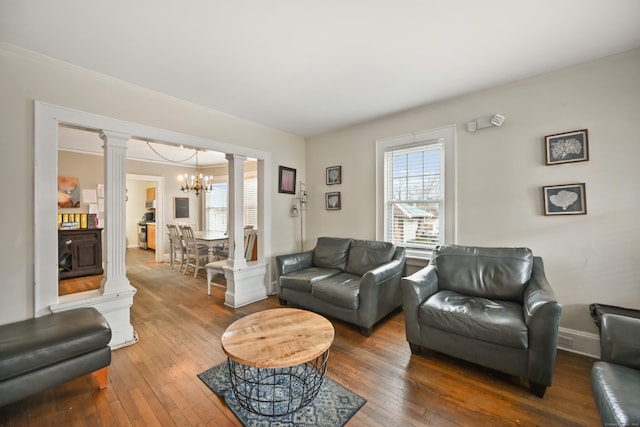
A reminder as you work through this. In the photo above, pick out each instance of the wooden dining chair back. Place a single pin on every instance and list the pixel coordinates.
(196, 254)
(215, 267)
(177, 250)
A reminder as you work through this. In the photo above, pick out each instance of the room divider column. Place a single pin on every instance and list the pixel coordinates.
(245, 283)
(236, 209)
(117, 292)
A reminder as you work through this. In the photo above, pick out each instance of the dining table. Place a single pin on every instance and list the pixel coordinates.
(211, 239)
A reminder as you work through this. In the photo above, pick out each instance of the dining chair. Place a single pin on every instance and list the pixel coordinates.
(215, 267)
(196, 254)
(176, 246)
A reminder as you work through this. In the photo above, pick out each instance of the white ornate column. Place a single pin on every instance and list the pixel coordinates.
(117, 292)
(245, 283)
(115, 296)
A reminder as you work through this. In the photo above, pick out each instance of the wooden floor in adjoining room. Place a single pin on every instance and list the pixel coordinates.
(179, 327)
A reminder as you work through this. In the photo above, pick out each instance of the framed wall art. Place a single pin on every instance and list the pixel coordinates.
(333, 201)
(334, 175)
(286, 180)
(68, 192)
(566, 199)
(180, 207)
(567, 147)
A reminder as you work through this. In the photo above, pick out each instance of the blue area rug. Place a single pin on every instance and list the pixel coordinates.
(333, 406)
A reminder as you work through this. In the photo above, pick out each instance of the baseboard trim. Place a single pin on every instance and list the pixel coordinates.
(579, 342)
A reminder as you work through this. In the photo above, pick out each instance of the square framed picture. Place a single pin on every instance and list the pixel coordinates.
(334, 175)
(286, 180)
(333, 201)
(567, 147)
(567, 199)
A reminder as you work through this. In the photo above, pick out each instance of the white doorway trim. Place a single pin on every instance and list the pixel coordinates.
(159, 181)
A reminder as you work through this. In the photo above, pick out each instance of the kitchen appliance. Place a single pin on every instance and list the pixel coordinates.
(150, 216)
(150, 204)
(142, 233)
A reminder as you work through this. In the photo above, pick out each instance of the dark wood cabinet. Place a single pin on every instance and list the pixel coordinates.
(80, 252)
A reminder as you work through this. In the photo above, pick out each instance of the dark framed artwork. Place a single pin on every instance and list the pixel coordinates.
(567, 147)
(334, 175)
(286, 180)
(333, 201)
(566, 199)
(180, 207)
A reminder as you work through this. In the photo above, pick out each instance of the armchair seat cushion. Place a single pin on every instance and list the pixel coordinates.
(303, 279)
(616, 389)
(493, 321)
(341, 290)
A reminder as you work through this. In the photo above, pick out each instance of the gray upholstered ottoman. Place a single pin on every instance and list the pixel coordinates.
(39, 353)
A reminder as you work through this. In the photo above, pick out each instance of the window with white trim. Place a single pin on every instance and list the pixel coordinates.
(216, 205)
(415, 194)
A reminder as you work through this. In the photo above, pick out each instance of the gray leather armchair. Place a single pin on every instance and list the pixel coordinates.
(490, 306)
(615, 379)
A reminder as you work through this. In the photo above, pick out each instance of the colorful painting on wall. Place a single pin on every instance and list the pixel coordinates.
(68, 192)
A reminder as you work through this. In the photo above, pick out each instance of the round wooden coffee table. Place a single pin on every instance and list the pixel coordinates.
(277, 359)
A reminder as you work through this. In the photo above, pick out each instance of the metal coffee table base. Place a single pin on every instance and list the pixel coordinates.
(277, 391)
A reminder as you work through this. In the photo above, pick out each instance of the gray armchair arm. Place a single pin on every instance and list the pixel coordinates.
(542, 315)
(293, 262)
(415, 290)
(619, 340)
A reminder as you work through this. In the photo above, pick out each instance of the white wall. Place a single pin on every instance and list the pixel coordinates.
(25, 77)
(500, 172)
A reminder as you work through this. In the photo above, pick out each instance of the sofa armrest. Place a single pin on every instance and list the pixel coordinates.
(619, 340)
(380, 289)
(415, 290)
(538, 291)
(289, 263)
(542, 316)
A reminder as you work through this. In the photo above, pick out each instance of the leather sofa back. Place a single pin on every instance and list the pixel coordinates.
(366, 255)
(331, 252)
(494, 273)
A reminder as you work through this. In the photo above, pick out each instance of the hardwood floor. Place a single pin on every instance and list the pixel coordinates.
(179, 327)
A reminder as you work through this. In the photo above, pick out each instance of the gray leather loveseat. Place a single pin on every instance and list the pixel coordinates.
(615, 379)
(357, 281)
(490, 306)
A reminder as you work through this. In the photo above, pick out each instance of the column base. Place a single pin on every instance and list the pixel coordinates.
(115, 307)
(245, 285)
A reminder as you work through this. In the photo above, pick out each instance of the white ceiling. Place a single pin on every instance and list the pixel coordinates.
(312, 66)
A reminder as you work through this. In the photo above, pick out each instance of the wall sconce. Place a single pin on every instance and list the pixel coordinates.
(485, 122)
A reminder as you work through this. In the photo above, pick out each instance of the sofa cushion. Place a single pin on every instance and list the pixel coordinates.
(342, 290)
(302, 280)
(498, 322)
(494, 273)
(331, 252)
(44, 341)
(366, 255)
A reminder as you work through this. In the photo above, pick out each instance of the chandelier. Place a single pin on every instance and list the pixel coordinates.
(197, 182)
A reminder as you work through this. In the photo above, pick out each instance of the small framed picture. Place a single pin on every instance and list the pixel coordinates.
(333, 201)
(567, 199)
(334, 175)
(180, 207)
(567, 147)
(286, 180)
